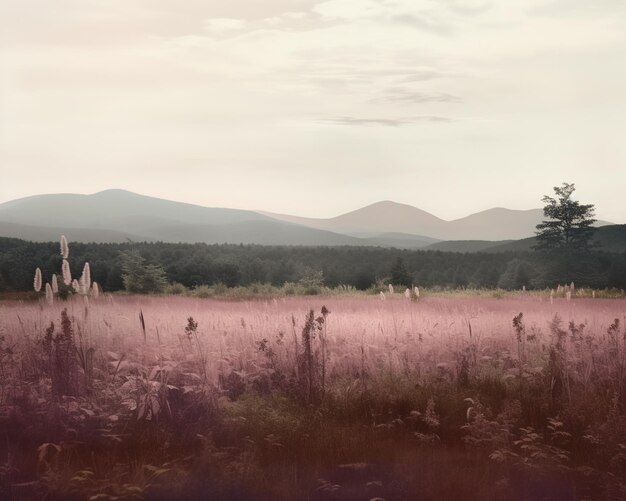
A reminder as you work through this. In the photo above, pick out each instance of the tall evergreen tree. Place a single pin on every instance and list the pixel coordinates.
(399, 273)
(568, 226)
(139, 277)
(565, 236)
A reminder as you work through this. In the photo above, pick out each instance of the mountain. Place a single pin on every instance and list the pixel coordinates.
(612, 238)
(381, 217)
(119, 216)
(118, 210)
(248, 232)
(49, 234)
(609, 238)
(467, 245)
(493, 224)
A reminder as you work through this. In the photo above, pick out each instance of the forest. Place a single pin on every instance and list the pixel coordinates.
(193, 265)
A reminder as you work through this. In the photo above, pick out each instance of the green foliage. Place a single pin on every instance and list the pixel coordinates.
(569, 224)
(60, 352)
(312, 281)
(175, 289)
(241, 267)
(518, 274)
(399, 274)
(140, 277)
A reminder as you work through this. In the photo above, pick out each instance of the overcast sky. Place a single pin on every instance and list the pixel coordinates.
(316, 107)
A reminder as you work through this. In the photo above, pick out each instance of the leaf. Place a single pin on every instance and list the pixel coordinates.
(44, 448)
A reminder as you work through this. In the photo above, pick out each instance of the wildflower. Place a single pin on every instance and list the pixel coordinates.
(65, 250)
(87, 276)
(37, 280)
(65, 269)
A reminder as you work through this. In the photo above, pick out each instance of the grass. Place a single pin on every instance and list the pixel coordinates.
(447, 397)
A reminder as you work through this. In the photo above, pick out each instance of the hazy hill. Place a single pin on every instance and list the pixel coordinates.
(610, 238)
(49, 234)
(115, 210)
(493, 224)
(381, 217)
(118, 215)
(466, 245)
(248, 232)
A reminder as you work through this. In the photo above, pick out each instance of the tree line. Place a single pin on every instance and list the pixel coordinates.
(240, 265)
(564, 253)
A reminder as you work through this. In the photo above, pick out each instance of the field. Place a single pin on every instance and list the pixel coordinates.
(452, 397)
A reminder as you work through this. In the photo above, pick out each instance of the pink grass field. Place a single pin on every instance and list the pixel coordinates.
(256, 403)
(396, 331)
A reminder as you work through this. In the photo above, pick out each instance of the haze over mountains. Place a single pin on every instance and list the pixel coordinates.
(118, 215)
(387, 216)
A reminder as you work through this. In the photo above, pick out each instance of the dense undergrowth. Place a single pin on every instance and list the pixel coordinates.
(392, 400)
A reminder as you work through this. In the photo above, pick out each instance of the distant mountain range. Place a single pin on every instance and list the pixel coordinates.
(492, 224)
(118, 216)
(610, 238)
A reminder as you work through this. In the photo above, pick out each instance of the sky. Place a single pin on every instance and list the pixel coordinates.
(314, 107)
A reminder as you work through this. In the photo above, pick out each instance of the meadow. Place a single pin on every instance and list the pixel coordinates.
(502, 396)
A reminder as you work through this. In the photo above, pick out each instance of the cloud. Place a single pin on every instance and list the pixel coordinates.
(224, 25)
(350, 9)
(421, 75)
(119, 22)
(424, 22)
(382, 122)
(115, 84)
(583, 8)
(403, 95)
(470, 7)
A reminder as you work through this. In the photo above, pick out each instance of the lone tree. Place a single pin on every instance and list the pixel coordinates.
(569, 224)
(399, 274)
(140, 277)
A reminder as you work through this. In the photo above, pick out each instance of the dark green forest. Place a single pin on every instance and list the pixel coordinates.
(235, 265)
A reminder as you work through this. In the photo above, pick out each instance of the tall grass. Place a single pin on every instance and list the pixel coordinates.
(133, 397)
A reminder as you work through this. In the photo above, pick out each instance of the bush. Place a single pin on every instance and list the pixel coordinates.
(140, 277)
(176, 289)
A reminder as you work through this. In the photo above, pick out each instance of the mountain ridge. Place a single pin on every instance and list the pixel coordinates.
(497, 223)
(120, 215)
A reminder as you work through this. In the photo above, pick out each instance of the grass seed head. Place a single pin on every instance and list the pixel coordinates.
(37, 281)
(65, 250)
(67, 275)
(86, 276)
